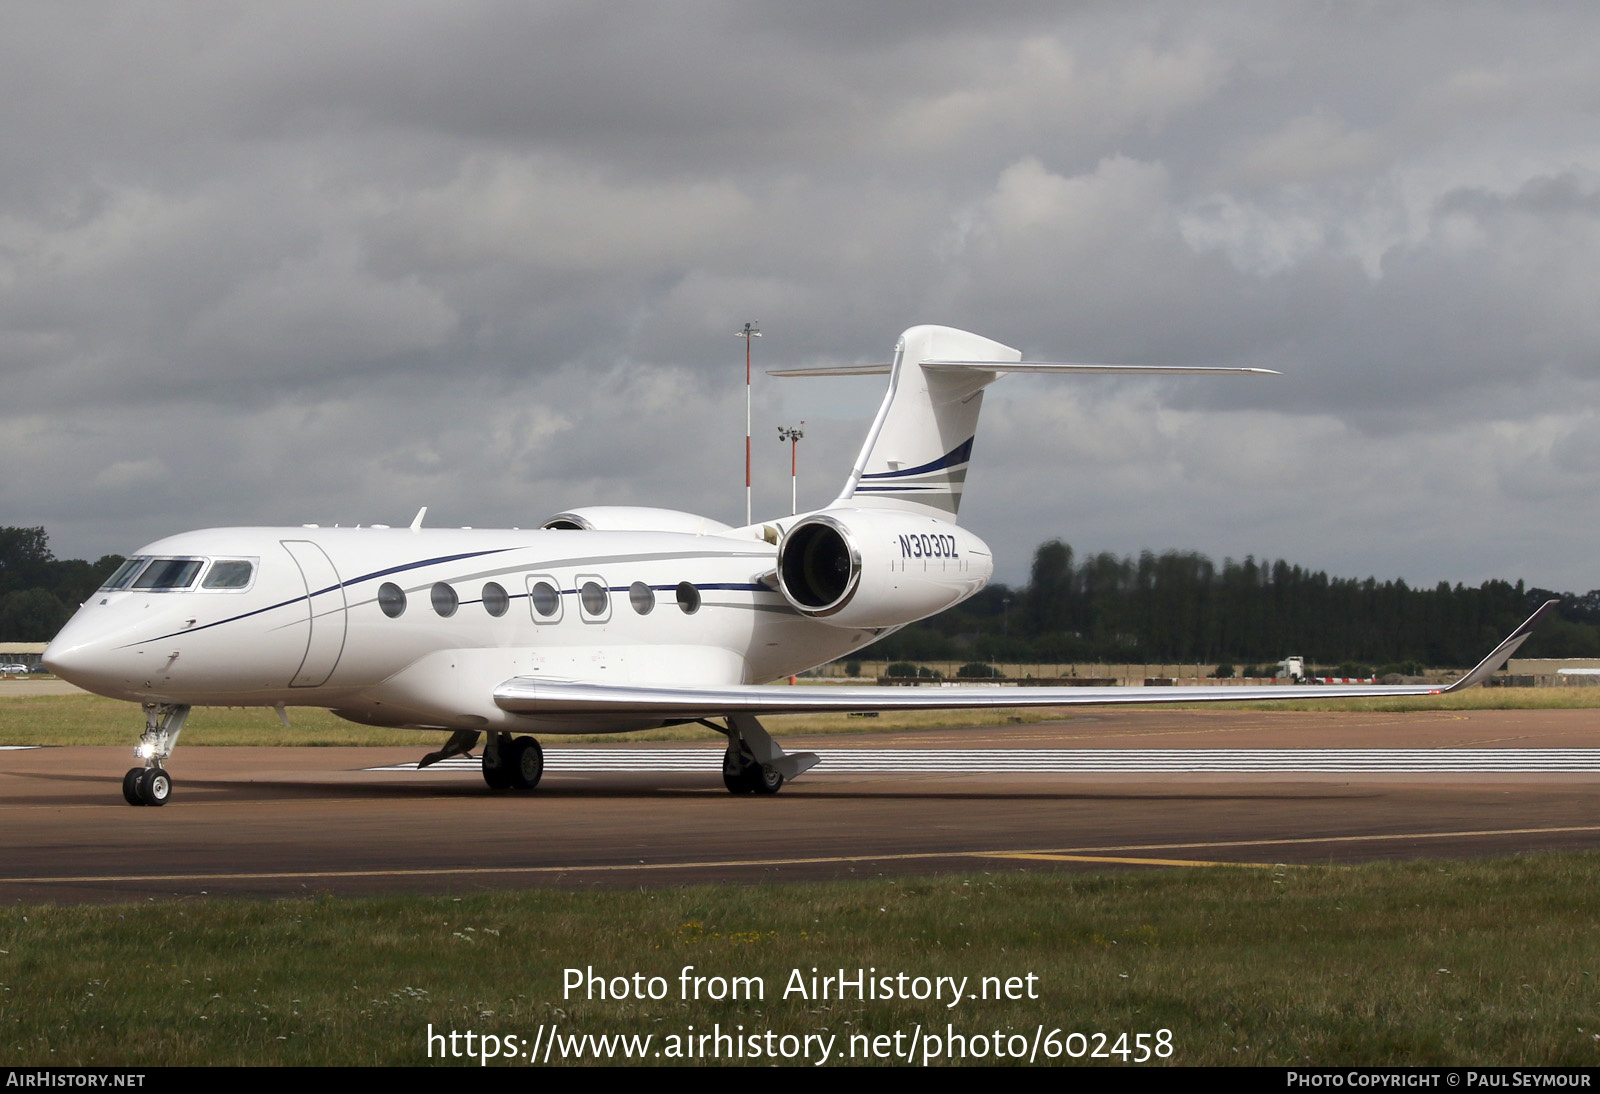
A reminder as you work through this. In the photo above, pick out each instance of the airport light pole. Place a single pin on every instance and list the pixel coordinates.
(751, 330)
(792, 434)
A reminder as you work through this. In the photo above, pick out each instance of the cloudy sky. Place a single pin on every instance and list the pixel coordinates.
(294, 262)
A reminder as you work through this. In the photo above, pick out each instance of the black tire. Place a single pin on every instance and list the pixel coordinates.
(764, 780)
(739, 774)
(523, 762)
(130, 786)
(155, 786)
(498, 776)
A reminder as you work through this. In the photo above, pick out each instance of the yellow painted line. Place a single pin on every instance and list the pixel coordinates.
(1087, 854)
(1123, 861)
(1298, 840)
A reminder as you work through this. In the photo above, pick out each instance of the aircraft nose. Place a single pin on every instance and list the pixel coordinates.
(70, 661)
(80, 657)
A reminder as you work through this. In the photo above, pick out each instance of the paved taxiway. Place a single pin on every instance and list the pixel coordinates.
(287, 821)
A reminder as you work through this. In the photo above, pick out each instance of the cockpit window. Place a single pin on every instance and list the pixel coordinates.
(169, 573)
(125, 573)
(228, 573)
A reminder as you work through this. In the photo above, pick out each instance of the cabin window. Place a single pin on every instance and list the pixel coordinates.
(168, 574)
(445, 600)
(688, 598)
(125, 573)
(545, 598)
(229, 573)
(596, 601)
(642, 597)
(495, 600)
(392, 599)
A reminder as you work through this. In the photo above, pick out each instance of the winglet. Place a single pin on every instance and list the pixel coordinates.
(417, 523)
(1501, 653)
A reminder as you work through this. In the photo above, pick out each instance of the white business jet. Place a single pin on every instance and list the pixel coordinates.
(606, 619)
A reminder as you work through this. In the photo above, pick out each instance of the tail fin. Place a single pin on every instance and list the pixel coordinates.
(915, 456)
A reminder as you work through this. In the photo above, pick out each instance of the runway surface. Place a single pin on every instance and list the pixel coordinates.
(1181, 788)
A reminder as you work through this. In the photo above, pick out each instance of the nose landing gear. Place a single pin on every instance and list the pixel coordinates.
(150, 784)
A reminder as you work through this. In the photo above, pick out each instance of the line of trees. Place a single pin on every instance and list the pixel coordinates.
(39, 592)
(1178, 606)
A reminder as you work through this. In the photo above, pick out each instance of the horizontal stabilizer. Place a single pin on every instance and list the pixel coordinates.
(1023, 368)
(916, 455)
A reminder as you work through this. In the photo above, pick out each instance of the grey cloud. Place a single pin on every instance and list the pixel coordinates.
(331, 262)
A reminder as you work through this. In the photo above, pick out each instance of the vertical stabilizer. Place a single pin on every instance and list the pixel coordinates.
(915, 456)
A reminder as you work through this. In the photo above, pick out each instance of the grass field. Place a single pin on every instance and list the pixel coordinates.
(90, 720)
(1487, 962)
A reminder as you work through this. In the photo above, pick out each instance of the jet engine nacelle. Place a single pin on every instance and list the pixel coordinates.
(633, 518)
(878, 568)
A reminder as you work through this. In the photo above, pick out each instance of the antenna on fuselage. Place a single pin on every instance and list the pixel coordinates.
(417, 524)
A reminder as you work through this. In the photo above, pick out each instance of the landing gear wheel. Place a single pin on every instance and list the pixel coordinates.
(743, 772)
(742, 775)
(523, 762)
(155, 786)
(736, 773)
(130, 786)
(149, 784)
(498, 776)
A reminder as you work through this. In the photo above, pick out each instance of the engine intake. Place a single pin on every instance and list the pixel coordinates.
(873, 568)
(818, 567)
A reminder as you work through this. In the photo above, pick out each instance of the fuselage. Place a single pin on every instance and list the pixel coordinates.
(416, 627)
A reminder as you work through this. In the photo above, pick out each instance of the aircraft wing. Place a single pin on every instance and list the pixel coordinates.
(538, 695)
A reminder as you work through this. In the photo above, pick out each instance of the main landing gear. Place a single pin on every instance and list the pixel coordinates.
(742, 775)
(150, 784)
(509, 763)
(512, 763)
(754, 762)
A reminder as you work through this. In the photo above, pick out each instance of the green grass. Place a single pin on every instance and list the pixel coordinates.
(91, 720)
(1485, 962)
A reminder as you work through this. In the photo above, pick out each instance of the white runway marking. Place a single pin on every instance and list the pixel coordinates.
(1012, 761)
